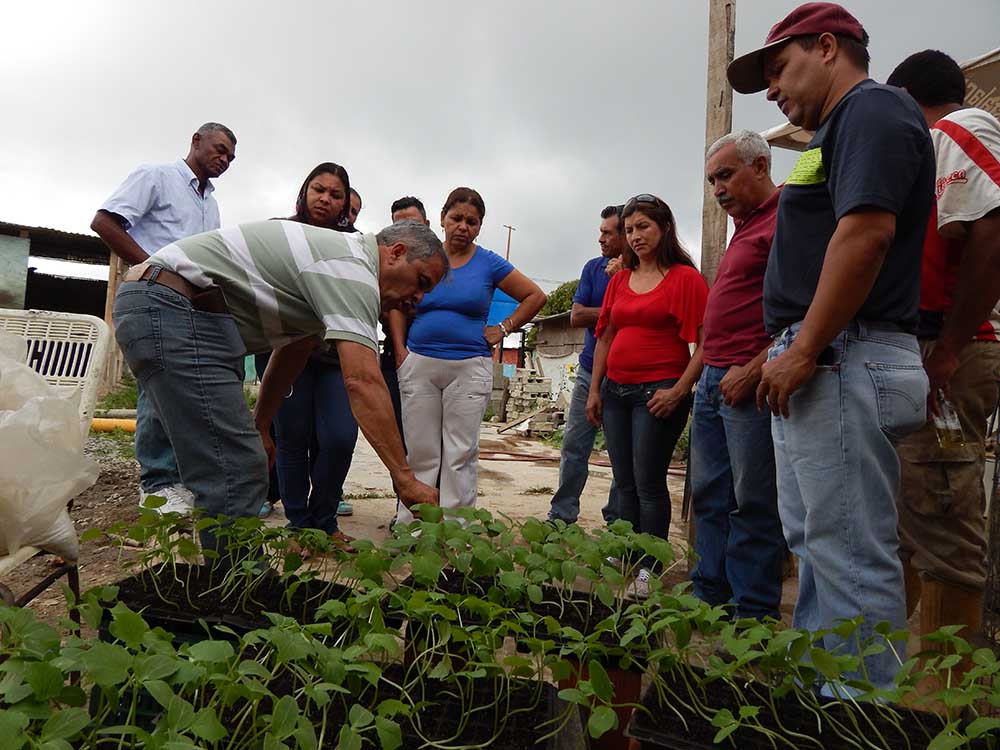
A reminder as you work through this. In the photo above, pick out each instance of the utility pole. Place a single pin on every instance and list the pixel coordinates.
(718, 122)
(509, 229)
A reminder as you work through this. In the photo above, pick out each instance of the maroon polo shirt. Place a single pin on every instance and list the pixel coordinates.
(734, 316)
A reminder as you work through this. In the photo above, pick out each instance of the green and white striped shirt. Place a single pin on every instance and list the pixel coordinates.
(284, 280)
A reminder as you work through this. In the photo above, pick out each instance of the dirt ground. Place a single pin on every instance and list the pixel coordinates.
(517, 477)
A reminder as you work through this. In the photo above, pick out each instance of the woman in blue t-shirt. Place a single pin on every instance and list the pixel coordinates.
(445, 363)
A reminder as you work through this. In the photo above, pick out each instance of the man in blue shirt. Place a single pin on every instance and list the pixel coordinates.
(156, 205)
(579, 434)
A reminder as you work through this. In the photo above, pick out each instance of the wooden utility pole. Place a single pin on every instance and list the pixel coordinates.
(509, 229)
(718, 122)
(114, 365)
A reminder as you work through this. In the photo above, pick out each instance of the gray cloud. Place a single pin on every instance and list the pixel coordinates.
(552, 110)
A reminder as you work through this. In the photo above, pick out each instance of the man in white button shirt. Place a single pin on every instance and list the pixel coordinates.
(156, 205)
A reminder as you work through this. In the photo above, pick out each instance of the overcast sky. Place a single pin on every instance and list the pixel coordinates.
(551, 110)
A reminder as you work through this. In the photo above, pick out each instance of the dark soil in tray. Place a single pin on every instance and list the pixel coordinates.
(487, 715)
(663, 729)
(190, 592)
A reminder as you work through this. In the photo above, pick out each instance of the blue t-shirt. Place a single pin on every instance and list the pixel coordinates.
(590, 293)
(873, 150)
(451, 319)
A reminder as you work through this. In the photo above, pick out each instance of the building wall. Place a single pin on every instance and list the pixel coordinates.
(13, 271)
(560, 370)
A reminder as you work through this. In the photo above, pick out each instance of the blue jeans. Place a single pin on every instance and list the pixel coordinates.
(574, 461)
(190, 366)
(157, 463)
(740, 546)
(316, 435)
(641, 446)
(838, 476)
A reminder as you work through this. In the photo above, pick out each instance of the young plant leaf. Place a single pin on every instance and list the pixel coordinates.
(600, 681)
(285, 717)
(359, 716)
(45, 680)
(825, 662)
(180, 714)
(602, 719)
(206, 726)
(211, 651)
(389, 733)
(63, 725)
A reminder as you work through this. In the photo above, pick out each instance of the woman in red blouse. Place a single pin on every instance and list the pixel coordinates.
(652, 311)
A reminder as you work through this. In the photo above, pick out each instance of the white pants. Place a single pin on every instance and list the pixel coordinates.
(443, 404)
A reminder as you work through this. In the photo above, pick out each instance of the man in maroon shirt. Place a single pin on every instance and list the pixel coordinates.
(739, 540)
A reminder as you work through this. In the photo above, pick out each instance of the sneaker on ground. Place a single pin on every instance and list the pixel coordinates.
(639, 588)
(265, 509)
(345, 509)
(614, 562)
(179, 499)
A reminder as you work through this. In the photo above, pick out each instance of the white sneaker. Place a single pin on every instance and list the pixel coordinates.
(639, 588)
(179, 499)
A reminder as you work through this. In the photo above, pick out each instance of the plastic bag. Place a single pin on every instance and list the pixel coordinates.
(42, 463)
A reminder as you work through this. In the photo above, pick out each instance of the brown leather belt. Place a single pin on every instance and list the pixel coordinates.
(209, 300)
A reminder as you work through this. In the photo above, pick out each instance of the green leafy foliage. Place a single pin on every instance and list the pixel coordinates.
(429, 617)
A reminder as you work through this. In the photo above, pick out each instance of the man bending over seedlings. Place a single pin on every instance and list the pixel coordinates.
(185, 318)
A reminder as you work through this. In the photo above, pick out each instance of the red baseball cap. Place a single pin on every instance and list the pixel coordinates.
(746, 73)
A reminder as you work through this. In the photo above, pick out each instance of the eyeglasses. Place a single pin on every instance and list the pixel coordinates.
(642, 198)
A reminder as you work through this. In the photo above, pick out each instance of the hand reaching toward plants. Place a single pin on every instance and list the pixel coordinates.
(415, 492)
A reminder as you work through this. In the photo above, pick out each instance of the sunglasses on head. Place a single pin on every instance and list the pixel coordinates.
(642, 198)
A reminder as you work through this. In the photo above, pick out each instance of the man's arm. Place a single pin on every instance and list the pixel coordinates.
(372, 408)
(853, 260)
(284, 367)
(397, 332)
(109, 228)
(581, 316)
(977, 289)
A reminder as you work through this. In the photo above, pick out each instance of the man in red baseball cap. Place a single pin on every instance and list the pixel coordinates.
(843, 380)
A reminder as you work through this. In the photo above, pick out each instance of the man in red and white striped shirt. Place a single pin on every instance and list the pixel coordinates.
(942, 501)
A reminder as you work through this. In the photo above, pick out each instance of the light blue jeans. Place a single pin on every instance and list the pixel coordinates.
(157, 463)
(574, 459)
(838, 476)
(190, 365)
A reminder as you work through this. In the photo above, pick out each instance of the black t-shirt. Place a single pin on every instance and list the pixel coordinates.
(872, 151)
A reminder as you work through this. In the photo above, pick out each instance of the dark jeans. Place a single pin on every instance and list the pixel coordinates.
(316, 435)
(640, 446)
(273, 490)
(740, 545)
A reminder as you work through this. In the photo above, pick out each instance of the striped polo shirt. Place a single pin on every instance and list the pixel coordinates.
(284, 280)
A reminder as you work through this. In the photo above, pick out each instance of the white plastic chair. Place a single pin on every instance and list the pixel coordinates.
(70, 351)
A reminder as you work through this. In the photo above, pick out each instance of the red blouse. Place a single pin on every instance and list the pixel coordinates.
(653, 329)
